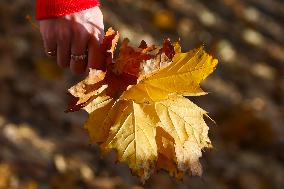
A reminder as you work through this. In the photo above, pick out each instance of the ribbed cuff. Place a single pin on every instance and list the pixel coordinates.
(54, 8)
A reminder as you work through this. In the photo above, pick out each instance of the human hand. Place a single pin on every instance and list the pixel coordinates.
(75, 39)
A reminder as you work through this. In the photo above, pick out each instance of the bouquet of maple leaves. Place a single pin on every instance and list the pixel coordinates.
(136, 106)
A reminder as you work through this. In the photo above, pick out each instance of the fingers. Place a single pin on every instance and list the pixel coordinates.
(63, 48)
(49, 38)
(78, 48)
(95, 57)
(75, 40)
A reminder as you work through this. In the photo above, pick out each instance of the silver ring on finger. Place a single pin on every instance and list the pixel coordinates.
(78, 58)
(51, 53)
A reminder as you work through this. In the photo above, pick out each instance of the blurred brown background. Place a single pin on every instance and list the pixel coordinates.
(42, 147)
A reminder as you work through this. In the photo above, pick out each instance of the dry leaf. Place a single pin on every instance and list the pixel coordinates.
(136, 106)
(164, 20)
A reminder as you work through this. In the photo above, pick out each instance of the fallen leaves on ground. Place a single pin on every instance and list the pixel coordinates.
(136, 106)
(6, 174)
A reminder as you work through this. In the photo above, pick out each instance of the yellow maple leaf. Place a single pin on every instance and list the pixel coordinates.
(136, 107)
(183, 77)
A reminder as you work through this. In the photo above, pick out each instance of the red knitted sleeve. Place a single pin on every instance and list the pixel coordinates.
(54, 8)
